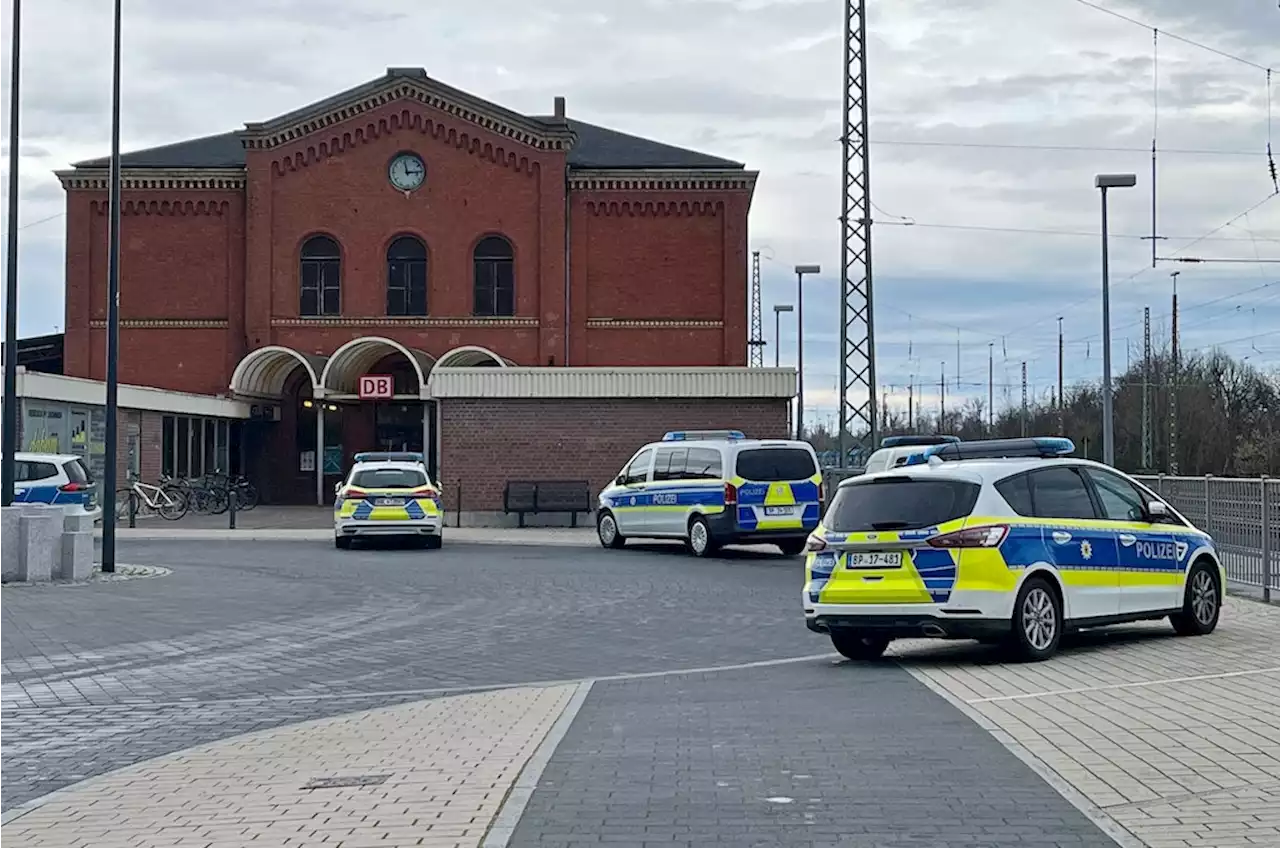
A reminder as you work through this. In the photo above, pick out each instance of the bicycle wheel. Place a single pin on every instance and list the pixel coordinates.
(172, 504)
(217, 501)
(247, 496)
(124, 498)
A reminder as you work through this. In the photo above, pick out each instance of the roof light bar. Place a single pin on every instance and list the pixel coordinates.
(389, 456)
(1042, 447)
(693, 435)
(911, 441)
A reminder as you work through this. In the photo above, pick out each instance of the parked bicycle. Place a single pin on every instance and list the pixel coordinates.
(140, 498)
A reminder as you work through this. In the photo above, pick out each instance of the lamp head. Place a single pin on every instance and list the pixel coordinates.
(808, 269)
(1115, 181)
(784, 307)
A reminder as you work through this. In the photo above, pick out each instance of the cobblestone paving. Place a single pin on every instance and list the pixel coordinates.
(1175, 740)
(438, 771)
(243, 636)
(813, 754)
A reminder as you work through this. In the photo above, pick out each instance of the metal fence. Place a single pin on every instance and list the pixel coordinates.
(1242, 515)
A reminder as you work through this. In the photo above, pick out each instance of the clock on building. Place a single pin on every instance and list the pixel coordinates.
(407, 171)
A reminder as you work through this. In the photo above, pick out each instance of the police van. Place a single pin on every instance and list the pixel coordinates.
(712, 488)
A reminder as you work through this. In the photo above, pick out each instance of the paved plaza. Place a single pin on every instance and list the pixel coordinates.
(282, 693)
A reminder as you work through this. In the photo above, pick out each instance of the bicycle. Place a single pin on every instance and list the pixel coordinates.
(167, 501)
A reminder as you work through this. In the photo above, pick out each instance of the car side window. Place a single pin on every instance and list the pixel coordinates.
(676, 467)
(28, 471)
(662, 464)
(703, 464)
(1017, 493)
(1120, 501)
(1060, 492)
(638, 470)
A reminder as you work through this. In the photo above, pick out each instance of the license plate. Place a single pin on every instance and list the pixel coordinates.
(878, 559)
(390, 502)
(779, 510)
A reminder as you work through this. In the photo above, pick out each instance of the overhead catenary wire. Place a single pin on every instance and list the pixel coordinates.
(1191, 41)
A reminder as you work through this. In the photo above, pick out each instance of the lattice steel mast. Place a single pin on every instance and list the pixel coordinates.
(857, 323)
(755, 344)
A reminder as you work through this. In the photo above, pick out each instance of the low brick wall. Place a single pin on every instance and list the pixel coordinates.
(486, 442)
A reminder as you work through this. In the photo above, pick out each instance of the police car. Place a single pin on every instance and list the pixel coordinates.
(57, 479)
(895, 450)
(1006, 541)
(388, 494)
(712, 488)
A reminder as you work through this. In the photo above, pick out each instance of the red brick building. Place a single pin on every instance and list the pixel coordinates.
(403, 227)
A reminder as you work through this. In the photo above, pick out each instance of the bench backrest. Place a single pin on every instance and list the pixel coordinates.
(564, 495)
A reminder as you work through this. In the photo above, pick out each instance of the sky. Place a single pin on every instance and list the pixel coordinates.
(986, 122)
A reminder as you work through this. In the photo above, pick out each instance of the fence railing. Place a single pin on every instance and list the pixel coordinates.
(1242, 515)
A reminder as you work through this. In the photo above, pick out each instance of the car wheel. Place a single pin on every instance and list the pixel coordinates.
(1037, 621)
(700, 541)
(342, 542)
(858, 646)
(433, 543)
(1201, 603)
(607, 530)
(791, 547)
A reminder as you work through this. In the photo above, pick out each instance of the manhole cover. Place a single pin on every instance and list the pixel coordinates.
(343, 782)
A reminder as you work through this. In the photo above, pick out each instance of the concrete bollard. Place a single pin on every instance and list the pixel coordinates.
(39, 543)
(77, 547)
(9, 530)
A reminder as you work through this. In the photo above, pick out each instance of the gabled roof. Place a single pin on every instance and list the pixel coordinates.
(595, 147)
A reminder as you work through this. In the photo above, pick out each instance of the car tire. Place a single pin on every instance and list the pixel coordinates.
(342, 543)
(700, 542)
(1037, 621)
(1201, 602)
(433, 543)
(854, 645)
(607, 531)
(791, 547)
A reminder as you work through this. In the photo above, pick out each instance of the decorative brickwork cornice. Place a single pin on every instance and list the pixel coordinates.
(164, 207)
(392, 321)
(652, 324)
(650, 179)
(423, 90)
(325, 142)
(155, 179)
(166, 324)
(655, 208)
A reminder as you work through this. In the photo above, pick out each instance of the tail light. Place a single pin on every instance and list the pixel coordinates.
(730, 494)
(353, 496)
(814, 543)
(972, 537)
(73, 487)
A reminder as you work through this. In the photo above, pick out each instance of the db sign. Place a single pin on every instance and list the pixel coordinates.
(376, 387)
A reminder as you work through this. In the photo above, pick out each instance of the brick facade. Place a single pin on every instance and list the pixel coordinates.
(485, 443)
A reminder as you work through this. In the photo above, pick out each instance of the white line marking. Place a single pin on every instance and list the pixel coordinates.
(1122, 836)
(509, 815)
(1111, 686)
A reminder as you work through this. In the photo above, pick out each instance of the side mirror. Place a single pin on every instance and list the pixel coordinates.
(620, 480)
(337, 487)
(1157, 510)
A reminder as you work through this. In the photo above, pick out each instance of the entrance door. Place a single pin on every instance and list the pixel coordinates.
(398, 426)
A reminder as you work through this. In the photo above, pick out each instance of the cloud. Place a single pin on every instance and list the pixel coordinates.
(961, 94)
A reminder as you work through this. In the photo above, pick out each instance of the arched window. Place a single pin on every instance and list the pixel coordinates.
(321, 277)
(407, 277)
(495, 277)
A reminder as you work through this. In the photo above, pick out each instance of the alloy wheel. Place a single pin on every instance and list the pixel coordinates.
(1039, 619)
(1204, 597)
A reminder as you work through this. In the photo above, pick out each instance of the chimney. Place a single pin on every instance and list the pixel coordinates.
(559, 111)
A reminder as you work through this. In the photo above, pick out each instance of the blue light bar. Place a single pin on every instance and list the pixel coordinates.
(390, 456)
(693, 435)
(911, 441)
(1042, 447)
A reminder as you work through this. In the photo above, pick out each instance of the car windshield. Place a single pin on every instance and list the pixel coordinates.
(767, 465)
(389, 478)
(899, 503)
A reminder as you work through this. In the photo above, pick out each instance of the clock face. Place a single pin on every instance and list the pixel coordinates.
(407, 171)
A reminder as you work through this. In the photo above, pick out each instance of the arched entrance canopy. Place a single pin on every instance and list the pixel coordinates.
(353, 360)
(264, 372)
(472, 356)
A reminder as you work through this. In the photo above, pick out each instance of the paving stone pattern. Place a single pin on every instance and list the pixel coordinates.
(243, 636)
(437, 773)
(1176, 740)
(812, 755)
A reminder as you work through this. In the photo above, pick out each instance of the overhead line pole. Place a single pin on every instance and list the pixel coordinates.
(9, 439)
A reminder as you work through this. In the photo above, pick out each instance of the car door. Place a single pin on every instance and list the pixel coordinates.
(35, 481)
(1150, 563)
(629, 507)
(1079, 545)
(668, 506)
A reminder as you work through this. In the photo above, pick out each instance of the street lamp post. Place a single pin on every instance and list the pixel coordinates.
(778, 309)
(801, 270)
(1103, 182)
(9, 440)
(113, 319)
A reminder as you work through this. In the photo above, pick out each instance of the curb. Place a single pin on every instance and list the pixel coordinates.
(325, 536)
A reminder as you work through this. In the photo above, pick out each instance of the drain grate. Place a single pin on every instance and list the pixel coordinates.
(343, 782)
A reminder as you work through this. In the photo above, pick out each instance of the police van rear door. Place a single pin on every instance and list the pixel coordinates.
(779, 486)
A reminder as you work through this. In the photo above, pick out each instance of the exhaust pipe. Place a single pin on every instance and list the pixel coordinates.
(933, 631)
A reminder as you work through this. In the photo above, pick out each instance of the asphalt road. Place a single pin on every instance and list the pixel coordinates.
(246, 635)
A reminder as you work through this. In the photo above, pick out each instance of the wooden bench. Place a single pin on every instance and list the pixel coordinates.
(534, 496)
